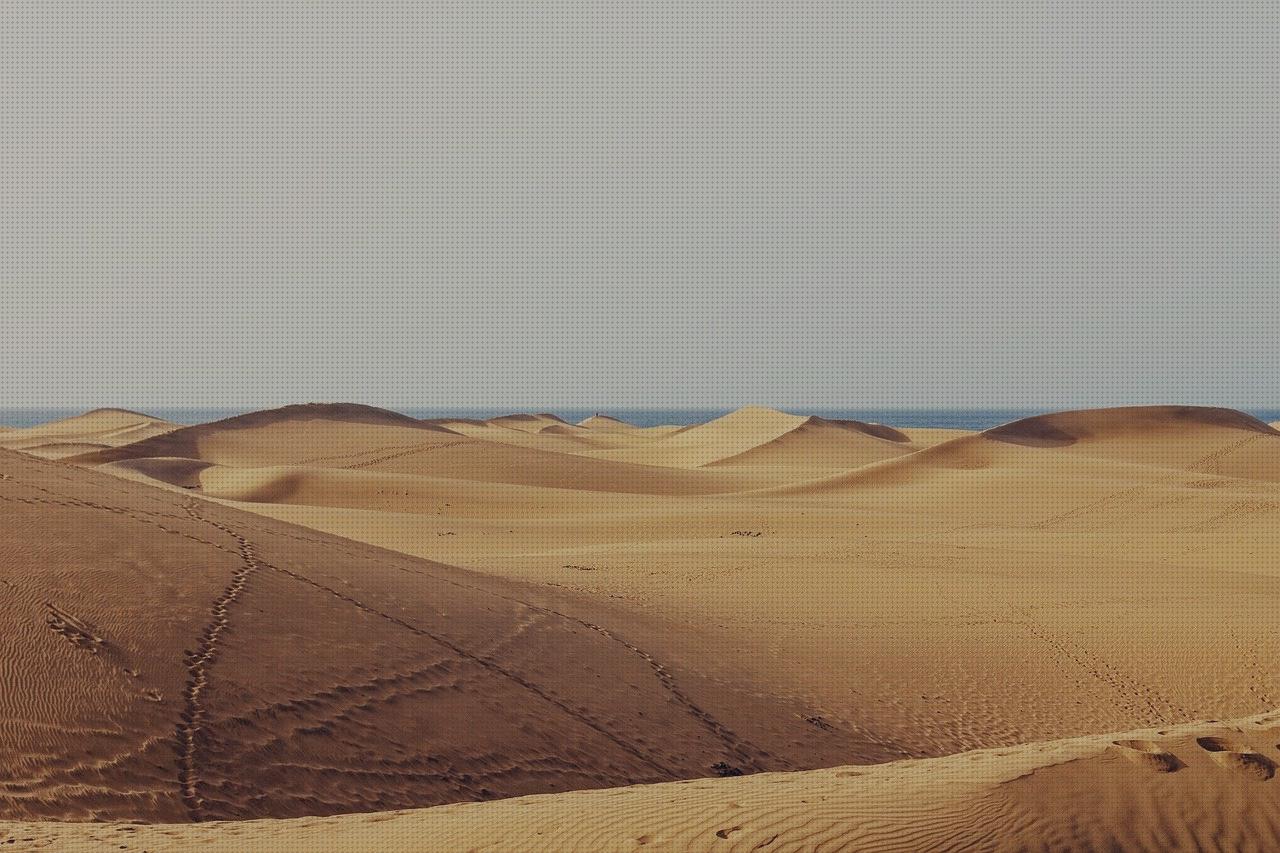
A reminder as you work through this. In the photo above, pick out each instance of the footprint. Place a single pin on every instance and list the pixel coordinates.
(1238, 756)
(1149, 754)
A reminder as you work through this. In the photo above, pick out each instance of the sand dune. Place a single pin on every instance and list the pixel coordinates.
(1219, 442)
(170, 659)
(757, 436)
(542, 433)
(1206, 440)
(1058, 577)
(825, 591)
(95, 430)
(817, 443)
(527, 422)
(1202, 786)
(378, 442)
(292, 434)
(606, 423)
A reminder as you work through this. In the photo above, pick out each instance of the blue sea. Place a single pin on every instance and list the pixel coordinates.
(900, 417)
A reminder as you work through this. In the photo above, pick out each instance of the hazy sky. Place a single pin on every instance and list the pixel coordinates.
(709, 347)
(237, 203)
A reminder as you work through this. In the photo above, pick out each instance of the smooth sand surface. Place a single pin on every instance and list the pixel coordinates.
(95, 430)
(786, 593)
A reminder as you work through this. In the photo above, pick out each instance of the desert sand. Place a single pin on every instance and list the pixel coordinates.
(84, 433)
(1050, 635)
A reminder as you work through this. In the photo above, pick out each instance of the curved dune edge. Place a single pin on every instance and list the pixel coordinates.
(91, 432)
(601, 421)
(1223, 442)
(757, 436)
(1202, 785)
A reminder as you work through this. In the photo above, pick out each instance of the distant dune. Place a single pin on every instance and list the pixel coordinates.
(817, 443)
(762, 437)
(528, 423)
(277, 435)
(95, 430)
(361, 438)
(1221, 442)
(605, 422)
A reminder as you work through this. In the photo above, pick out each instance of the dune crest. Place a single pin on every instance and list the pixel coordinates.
(600, 421)
(84, 433)
(757, 436)
(528, 422)
(1206, 440)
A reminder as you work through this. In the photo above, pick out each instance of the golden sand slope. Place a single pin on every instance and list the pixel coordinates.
(821, 444)
(606, 423)
(600, 434)
(285, 441)
(1218, 442)
(1202, 787)
(95, 430)
(526, 422)
(754, 435)
(320, 433)
(979, 593)
(1076, 573)
(165, 658)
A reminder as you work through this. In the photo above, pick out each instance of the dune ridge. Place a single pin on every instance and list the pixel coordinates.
(94, 430)
(601, 421)
(1212, 440)
(760, 436)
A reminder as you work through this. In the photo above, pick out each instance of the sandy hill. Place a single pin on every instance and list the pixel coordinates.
(272, 452)
(1201, 787)
(527, 422)
(411, 481)
(94, 430)
(171, 659)
(758, 436)
(817, 443)
(1190, 440)
(1026, 572)
(300, 434)
(1210, 440)
(565, 438)
(605, 422)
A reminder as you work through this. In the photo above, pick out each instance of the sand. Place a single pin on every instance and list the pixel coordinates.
(768, 593)
(95, 430)
(1200, 786)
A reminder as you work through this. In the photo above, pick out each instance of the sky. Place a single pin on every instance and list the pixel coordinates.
(603, 203)
(642, 346)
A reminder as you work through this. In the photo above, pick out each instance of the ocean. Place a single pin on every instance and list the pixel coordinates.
(900, 417)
